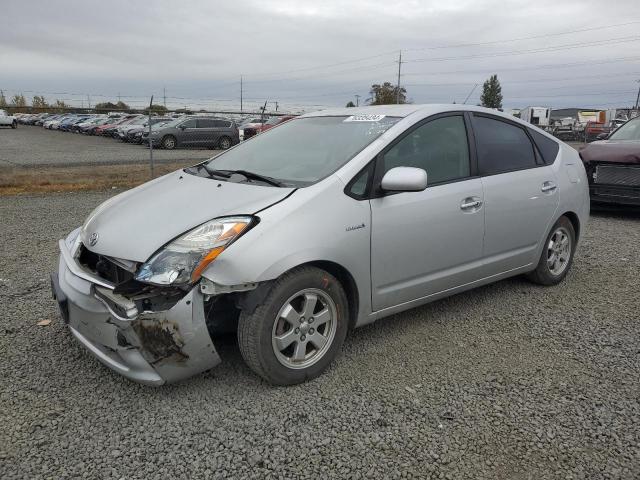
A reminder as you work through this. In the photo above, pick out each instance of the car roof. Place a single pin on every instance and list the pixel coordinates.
(404, 110)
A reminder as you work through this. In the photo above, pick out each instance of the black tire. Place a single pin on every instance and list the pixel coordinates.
(255, 329)
(169, 142)
(543, 274)
(14, 125)
(224, 143)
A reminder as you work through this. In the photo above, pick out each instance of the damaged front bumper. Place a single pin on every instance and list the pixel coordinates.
(149, 347)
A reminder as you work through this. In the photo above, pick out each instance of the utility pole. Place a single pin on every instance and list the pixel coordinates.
(240, 93)
(399, 67)
(357, 100)
(638, 97)
(150, 140)
(276, 106)
(118, 96)
(164, 96)
(89, 100)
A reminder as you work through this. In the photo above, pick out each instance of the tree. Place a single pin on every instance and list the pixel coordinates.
(19, 101)
(386, 94)
(159, 109)
(39, 102)
(109, 106)
(3, 99)
(350, 105)
(491, 93)
(59, 106)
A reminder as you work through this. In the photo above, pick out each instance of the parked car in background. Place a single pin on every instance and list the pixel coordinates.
(91, 120)
(134, 134)
(7, 120)
(89, 128)
(109, 127)
(195, 131)
(69, 124)
(613, 166)
(270, 123)
(253, 122)
(135, 122)
(330, 221)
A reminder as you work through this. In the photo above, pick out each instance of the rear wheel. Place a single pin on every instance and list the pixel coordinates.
(557, 254)
(298, 329)
(169, 142)
(224, 143)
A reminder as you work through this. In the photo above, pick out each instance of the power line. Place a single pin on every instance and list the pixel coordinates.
(530, 51)
(530, 67)
(494, 42)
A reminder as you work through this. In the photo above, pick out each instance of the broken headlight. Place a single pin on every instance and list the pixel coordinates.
(183, 260)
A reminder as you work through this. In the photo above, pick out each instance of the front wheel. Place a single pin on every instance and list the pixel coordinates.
(557, 254)
(298, 329)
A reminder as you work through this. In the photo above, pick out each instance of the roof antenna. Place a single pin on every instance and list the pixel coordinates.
(472, 90)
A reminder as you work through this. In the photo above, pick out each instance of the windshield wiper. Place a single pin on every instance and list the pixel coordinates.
(245, 173)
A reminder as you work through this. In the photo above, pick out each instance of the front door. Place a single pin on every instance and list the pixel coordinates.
(427, 242)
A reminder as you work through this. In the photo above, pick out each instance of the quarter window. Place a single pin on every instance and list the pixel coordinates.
(502, 147)
(439, 147)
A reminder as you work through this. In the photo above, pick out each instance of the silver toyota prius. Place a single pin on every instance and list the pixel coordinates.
(327, 222)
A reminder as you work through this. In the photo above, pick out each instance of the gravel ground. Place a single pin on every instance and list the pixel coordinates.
(510, 381)
(31, 146)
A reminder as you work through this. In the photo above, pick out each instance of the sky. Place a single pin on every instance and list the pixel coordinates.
(309, 55)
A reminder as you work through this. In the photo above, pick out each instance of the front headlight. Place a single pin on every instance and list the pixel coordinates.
(183, 260)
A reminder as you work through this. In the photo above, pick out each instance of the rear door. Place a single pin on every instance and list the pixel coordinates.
(426, 242)
(207, 131)
(520, 193)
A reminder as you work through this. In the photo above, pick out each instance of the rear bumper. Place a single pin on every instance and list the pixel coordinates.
(152, 348)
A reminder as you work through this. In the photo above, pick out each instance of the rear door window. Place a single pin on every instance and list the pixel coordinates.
(205, 123)
(502, 147)
(221, 123)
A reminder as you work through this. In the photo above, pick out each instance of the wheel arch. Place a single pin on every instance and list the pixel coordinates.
(575, 221)
(346, 280)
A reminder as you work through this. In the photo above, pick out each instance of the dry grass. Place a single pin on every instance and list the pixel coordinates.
(46, 179)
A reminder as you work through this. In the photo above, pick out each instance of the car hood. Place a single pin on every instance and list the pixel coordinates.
(136, 223)
(613, 151)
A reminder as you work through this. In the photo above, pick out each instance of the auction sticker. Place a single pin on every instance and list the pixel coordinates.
(364, 118)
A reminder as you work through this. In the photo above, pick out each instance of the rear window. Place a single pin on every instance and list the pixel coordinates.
(547, 147)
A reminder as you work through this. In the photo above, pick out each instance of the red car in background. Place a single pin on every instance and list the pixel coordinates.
(272, 122)
(110, 125)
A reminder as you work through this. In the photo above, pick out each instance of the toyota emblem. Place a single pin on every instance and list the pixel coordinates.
(93, 239)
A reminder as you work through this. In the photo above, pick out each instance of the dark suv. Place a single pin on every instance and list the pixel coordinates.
(195, 132)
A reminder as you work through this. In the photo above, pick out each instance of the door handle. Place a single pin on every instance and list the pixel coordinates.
(470, 203)
(548, 187)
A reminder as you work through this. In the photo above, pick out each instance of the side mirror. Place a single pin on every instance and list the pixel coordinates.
(182, 127)
(404, 179)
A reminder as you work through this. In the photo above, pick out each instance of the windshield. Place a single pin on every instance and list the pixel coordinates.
(628, 131)
(304, 150)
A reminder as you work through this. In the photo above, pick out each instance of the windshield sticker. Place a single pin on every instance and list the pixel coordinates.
(364, 118)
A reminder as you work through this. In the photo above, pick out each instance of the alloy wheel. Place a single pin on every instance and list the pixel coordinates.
(304, 328)
(559, 251)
